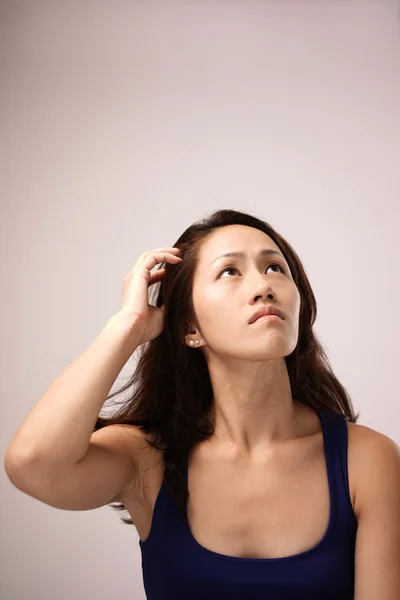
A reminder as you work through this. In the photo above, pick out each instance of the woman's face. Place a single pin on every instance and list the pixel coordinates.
(227, 292)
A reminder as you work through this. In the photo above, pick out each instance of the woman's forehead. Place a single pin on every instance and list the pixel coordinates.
(235, 240)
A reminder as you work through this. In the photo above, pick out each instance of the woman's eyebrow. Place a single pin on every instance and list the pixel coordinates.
(264, 252)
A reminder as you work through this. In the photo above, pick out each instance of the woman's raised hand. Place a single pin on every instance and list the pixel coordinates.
(150, 319)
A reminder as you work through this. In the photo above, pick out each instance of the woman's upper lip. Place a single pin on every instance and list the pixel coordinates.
(267, 310)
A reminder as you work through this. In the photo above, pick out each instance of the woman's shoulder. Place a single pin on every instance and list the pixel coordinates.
(362, 435)
(368, 452)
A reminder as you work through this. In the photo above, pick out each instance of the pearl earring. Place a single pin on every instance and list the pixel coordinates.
(197, 342)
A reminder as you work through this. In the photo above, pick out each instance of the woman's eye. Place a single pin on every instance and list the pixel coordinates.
(235, 269)
(227, 269)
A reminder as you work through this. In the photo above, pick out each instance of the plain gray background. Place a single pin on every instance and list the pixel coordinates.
(121, 124)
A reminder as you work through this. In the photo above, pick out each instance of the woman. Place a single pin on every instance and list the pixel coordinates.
(238, 454)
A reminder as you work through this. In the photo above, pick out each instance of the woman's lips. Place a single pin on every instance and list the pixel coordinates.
(268, 318)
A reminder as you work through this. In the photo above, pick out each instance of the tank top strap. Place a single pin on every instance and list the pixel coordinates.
(336, 453)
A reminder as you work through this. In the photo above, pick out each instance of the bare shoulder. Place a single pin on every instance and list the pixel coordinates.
(368, 438)
(371, 454)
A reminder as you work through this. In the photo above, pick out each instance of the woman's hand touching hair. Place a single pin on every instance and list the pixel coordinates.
(150, 319)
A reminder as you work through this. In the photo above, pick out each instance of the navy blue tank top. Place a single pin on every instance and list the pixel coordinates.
(176, 567)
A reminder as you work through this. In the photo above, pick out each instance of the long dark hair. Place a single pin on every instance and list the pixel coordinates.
(171, 387)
